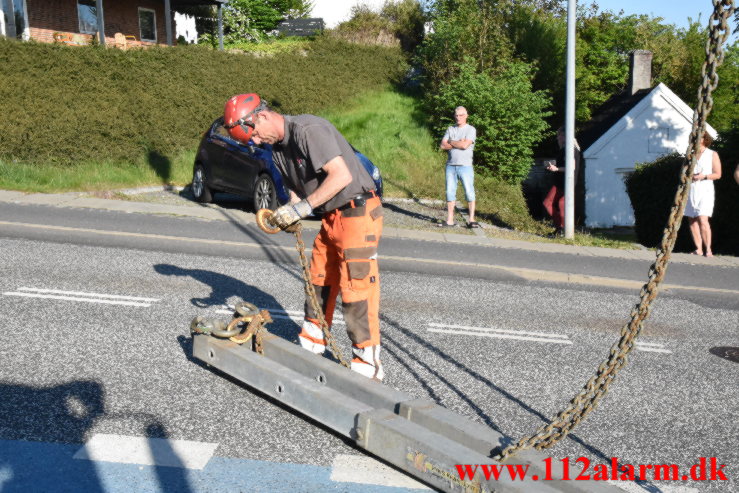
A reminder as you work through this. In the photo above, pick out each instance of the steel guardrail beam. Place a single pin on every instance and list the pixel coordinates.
(421, 438)
(476, 436)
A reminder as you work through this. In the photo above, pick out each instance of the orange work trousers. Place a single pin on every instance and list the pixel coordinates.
(344, 260)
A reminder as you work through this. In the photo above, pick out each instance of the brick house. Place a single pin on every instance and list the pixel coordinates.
(137, 23)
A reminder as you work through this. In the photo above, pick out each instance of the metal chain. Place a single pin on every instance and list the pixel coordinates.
(312, 298)
(255, 327)
(594, 390)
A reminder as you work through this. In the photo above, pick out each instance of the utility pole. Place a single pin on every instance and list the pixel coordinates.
(220, 26)
(570, 124)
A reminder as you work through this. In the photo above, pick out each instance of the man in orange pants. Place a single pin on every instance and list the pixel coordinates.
(325, 177)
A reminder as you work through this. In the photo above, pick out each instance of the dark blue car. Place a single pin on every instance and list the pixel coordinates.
(223, 164)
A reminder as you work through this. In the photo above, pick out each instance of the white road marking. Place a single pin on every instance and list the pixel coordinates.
(652, 347)
(366, 470)
(503, 331)
(294, 315)
(521, 335)
(72, 298)
(78, 293)
(56, 294)
(147, 451)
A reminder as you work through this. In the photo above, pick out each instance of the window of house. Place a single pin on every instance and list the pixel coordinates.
(88, 16)
(659, 140)
(147, 24)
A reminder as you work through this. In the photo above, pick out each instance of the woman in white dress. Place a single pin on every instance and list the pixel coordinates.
(701, 198)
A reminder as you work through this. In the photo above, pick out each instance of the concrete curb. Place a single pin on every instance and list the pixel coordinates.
(215, 213)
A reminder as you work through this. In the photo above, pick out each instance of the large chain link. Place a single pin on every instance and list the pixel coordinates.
(312, 298)
(594, 390)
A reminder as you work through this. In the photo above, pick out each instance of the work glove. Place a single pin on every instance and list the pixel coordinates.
(289, 214)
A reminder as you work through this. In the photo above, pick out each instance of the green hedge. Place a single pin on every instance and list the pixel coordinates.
(63, 104)
(652, 189)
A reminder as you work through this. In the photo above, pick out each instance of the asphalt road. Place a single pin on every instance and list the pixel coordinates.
(97, 347)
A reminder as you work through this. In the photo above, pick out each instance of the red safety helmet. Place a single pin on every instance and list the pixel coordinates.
(238, 115)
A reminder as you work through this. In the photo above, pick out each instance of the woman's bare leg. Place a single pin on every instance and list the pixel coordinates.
(695, 231)
(705, 228)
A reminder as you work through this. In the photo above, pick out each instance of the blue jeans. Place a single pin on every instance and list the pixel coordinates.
(464, 173)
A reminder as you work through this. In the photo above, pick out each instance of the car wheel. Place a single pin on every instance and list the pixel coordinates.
(200, 185)
(265, 194)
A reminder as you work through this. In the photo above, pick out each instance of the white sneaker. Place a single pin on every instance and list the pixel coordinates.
(367, 362)
(311, 338)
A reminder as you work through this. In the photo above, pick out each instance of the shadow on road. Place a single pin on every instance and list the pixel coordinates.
(398, 346)
(222, 287)
(274, 251)
(415, 215)
(42, 428)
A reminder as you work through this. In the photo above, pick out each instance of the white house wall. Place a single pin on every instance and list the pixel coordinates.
(659, 124)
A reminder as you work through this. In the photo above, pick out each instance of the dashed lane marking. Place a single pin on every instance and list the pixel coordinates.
(55, 294)
(652, 347)
(521, 335)
(147, 451)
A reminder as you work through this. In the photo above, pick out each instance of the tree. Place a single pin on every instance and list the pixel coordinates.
(508, 115)
(463, 29)
(407, 18)
(252, 19)
(398, 21)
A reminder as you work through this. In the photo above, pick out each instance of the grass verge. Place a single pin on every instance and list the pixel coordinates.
(90, 176)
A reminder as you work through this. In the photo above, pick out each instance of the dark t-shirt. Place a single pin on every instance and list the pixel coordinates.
(559, 177)
(309, 143)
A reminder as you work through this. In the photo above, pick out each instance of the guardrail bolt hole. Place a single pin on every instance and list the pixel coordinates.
(279, 388)
(321, 378)
(211, 354)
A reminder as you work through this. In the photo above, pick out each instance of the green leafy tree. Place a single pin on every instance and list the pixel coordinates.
(508, 115)
(398, 21)
(724, 115)
(407, 19)
(463, 29)
(539, 37)
(252, 19)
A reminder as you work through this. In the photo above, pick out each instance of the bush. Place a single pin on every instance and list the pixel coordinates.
(652, 189)
(408, 20)
(507, 113)
(366, 27)
(399, 22)
(96, 104)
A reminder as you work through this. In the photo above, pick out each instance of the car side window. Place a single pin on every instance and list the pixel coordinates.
(221, 131)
